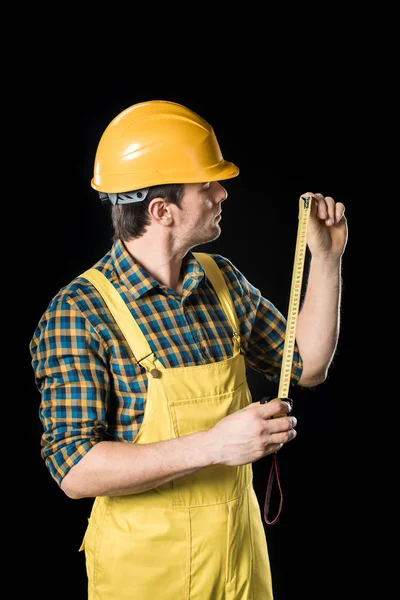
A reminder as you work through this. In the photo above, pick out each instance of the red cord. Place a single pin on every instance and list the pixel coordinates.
(274, 473)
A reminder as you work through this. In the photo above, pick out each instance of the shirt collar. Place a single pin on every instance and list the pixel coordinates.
(140, 282)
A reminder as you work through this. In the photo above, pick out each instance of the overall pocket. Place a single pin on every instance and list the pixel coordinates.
(200, 414)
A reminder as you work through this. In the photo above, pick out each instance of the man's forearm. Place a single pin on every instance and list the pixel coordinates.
(119, 468)
(319, 320)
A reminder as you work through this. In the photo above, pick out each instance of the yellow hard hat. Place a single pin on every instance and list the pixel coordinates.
(154, 143)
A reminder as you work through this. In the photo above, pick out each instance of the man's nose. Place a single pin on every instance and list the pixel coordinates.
(221, 192)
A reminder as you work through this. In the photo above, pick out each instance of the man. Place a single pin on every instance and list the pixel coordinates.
(141, 365)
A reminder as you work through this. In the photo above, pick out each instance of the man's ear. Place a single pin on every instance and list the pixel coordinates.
(160, 211)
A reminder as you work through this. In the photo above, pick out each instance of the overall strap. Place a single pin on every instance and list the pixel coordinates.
(214, 274)
(125, 320)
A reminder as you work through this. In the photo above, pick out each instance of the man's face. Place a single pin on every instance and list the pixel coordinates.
(200, 213)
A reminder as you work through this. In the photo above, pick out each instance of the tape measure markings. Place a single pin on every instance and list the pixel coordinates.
(294, 300)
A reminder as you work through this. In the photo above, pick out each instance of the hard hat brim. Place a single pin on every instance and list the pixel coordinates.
(114, 183)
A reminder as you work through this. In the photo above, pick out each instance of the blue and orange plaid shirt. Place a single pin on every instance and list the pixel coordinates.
(91, 387)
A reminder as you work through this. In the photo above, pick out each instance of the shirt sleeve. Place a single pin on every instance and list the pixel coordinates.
(262, 326)
(68, 360)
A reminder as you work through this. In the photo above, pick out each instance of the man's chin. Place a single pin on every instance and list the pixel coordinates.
(213, 237)
(208, 240)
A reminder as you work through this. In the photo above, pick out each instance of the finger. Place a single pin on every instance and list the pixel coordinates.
(321, 208)
(339, 212)
(280, 425)
(283, 437)
(330, 210)
(325, 208)
(273, 407)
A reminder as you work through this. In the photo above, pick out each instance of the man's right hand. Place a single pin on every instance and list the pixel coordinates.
(251, 433)
(120, 468)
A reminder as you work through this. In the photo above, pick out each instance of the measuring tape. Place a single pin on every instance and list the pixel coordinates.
(288, 349)
(295, 294)
(294, 300)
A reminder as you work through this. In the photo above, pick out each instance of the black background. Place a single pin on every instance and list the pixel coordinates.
(293, 136)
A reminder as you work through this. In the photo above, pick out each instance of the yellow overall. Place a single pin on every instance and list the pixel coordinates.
(201, 536)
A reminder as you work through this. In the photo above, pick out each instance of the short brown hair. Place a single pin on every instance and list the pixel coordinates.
(130, 220)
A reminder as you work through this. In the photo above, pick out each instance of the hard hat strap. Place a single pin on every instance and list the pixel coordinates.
(126, 197)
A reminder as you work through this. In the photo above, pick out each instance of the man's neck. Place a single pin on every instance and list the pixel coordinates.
(162, 263)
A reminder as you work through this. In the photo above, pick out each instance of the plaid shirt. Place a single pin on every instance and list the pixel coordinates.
(91, 387)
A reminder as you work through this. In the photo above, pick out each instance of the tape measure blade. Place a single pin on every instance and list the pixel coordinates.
(294, 298)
